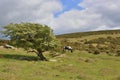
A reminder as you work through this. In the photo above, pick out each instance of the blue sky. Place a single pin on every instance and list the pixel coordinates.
(68, 5)
(71, 4)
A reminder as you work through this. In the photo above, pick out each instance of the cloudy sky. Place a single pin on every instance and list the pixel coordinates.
(64, 16)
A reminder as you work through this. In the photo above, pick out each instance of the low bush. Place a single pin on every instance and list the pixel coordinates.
(96, 52)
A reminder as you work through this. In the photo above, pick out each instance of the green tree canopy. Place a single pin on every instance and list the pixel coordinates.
(31, 36)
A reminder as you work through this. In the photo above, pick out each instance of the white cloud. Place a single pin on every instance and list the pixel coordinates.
(28, 11)
(78, 20)
(95, 15)
(108, 9)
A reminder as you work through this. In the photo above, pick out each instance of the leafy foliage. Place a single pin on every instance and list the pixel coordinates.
(31, 36)
(3, 42)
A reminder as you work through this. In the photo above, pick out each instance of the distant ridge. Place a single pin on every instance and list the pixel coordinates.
(82, 34)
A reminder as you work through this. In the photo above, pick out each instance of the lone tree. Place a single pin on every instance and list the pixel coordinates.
(33, 36)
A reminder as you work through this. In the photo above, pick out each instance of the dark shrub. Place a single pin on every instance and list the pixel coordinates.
(118, 53)
(96, 52)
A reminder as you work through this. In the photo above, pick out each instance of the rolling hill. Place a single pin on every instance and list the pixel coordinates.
(82, 64)
(107, 41)
(83, 34)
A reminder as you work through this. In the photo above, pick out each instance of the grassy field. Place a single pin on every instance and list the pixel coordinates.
(79, 65)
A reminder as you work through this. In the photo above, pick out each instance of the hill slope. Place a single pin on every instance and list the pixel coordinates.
(97, 41)
(79, 65)
(83, 34)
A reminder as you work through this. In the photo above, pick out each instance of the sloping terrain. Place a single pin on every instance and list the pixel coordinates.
(83, 34)
(97, 41)
(82, 64)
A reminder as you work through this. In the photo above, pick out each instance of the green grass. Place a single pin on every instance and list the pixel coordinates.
(78, 65)
(91, 37)
(85, 34)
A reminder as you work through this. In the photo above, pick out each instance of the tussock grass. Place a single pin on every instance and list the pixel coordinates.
(78, 65)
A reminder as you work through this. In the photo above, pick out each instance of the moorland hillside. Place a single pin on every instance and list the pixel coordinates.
(107, 41)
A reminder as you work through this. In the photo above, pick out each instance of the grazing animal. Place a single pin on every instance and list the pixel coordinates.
(69, 48)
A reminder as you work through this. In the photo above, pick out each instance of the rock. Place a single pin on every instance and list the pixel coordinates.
(53, 60)
(61, 56)
(1, 46)
(9, 46)
(89, 60)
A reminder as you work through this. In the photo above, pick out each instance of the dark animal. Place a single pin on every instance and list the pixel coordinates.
(69, 48)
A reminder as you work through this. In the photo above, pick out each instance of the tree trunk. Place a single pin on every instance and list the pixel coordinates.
(41, 56)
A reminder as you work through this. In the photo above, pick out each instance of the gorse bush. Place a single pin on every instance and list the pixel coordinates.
(96, 52)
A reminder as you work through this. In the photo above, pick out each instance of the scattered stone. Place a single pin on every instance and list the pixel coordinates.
(89, 60)
(61, 56)
(81, 59)
(9, 47)
(54, 54)
(1, 46)
(53, 60)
